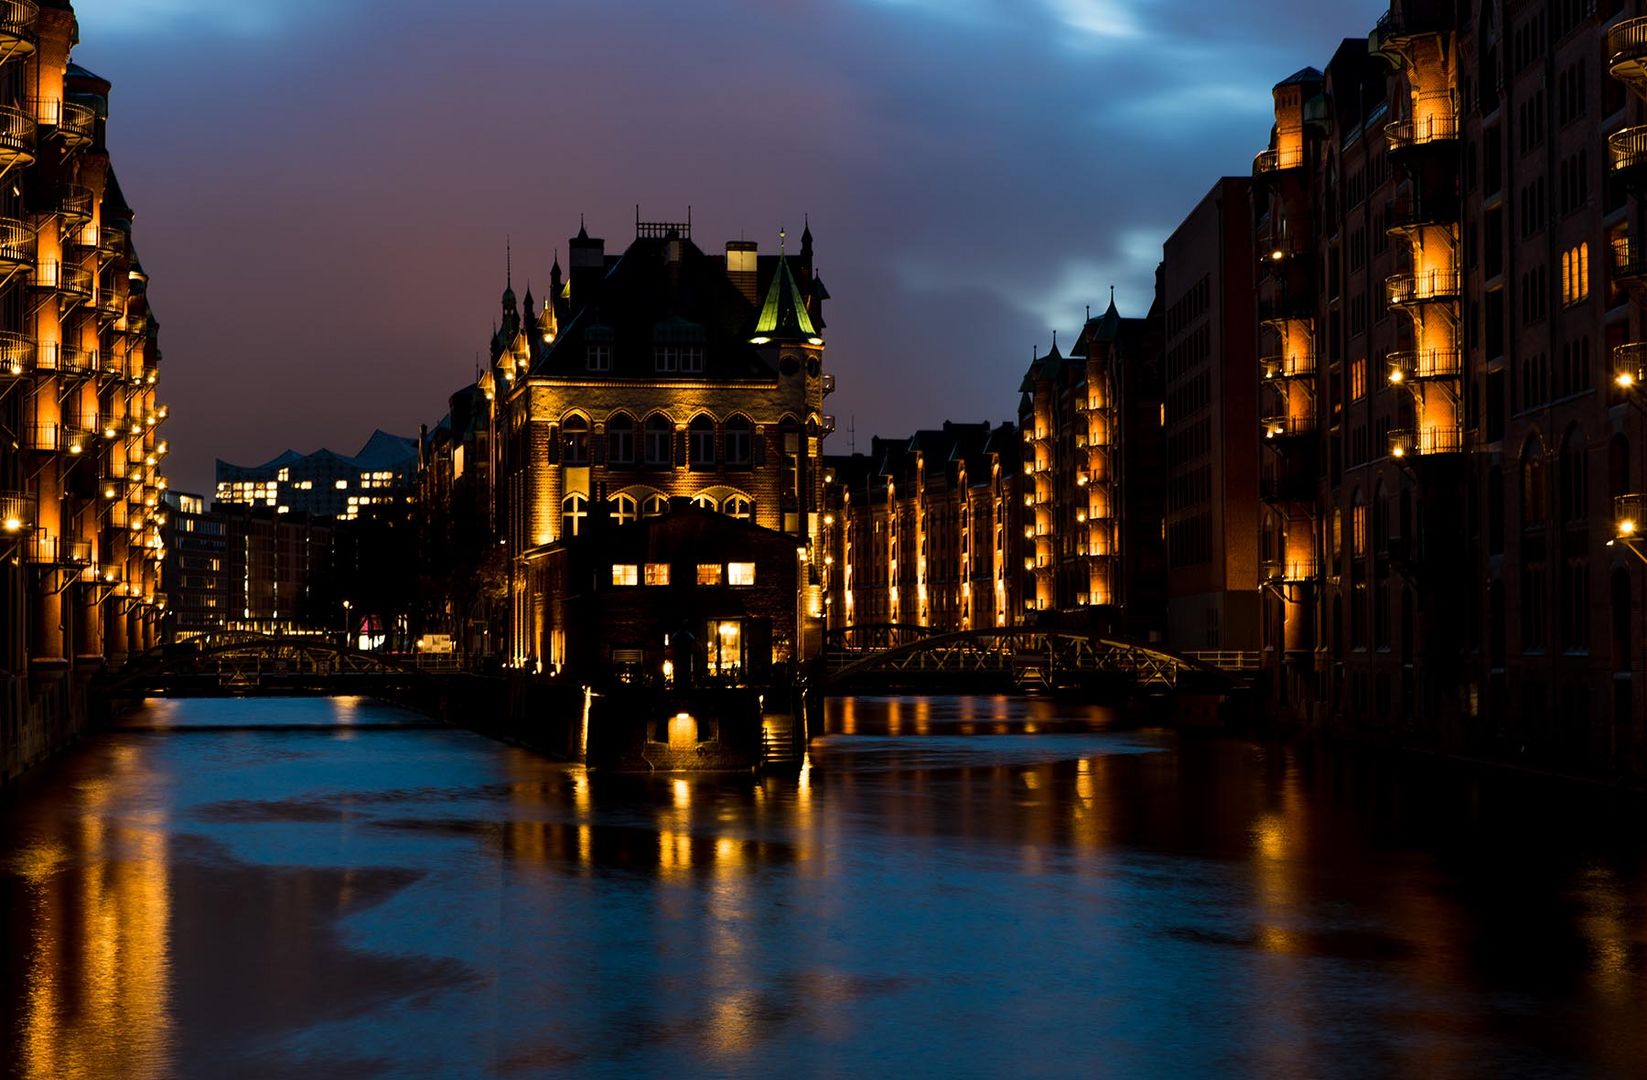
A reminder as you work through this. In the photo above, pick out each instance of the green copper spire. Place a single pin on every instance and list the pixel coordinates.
(783, 316)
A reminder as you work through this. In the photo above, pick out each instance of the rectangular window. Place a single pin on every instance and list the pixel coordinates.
(709, 573)
(598, 356)
(740, 573)
(625, 574)
(1358, 378)
(657, 573)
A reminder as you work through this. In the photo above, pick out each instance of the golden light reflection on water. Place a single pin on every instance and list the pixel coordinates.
(98, 997)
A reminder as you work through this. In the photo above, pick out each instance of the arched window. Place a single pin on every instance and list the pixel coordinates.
(574, 511)
(705, 500)
(740, 441)
(574, 431)
(1575, 496)
(738, 506)
(700, 442)
(1535, 508)
(625, 509)
(789, 444)
(659, 434)
(620, 440)
(655, 506)
(1358, 525)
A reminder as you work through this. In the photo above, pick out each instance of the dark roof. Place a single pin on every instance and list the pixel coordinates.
(1302, 75)
(382, 451)
(644, 300)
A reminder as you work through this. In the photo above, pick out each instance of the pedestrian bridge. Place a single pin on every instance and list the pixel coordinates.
(1009, 658)
(247, 663)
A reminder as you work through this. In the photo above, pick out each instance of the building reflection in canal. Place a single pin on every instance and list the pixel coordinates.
(970, 884)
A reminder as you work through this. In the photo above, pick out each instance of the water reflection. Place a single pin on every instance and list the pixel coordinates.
(964, 885)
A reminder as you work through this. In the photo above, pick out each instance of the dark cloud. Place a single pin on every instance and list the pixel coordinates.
(323, 189)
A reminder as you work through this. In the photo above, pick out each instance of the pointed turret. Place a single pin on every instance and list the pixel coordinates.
(784, 316)
(548, 325)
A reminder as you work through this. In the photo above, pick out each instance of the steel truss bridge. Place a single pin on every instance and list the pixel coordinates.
(247, 663)
(1017, 657)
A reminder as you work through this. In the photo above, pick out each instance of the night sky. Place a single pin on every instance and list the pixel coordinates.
(323, 187)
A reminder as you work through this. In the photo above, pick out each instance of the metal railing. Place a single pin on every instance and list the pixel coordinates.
(1438, 124)
(16, 244)
(1628, 522)
(111, 242)
(77, 123)
(39, 437)
(17, 354)
(1284, 427)
(73, 280)
(17, 512)
(1627, 259)
(1288, 366)
(828, 383)
(1627, 148)
(17, 20)
(1626, 43)
(1408, 442)
(1290, 570)
(1274, 160)
(1424, 287)
(17, 133)
(76, 204)
(1424, 364)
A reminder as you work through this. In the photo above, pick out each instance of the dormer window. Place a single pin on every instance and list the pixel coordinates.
(677, 347)
(597, 348)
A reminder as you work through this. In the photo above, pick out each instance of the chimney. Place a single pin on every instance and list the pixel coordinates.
(740, 267)
(588, 258)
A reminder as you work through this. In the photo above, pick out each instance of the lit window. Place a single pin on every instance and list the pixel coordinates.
(1575, 274)
(1358, 378)
(657, 573)
(575, 440)
(740, 573)
(709, 573)
(739, 507)
(283, 475)
(655, 506)
(723, 647)
(625, 509)
(342, 485)
(704, 500)
(574, 509)
(627, 574)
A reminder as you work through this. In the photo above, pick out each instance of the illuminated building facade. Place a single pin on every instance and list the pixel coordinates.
(690, 598)
(236, 567)
(325, 484)
(1448, 443)
(80, 482)
(926, 530)
(1211, 411)
(1091, 426)
(661, 373)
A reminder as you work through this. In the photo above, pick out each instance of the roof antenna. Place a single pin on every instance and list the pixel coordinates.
(1055, 339)
(1112, 296)
(782, 232)
(508, 262)
(1089, 313)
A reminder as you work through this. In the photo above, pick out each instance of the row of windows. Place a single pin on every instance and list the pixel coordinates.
(668, 359)
(626, 508)
(656, 441)
(709, 574)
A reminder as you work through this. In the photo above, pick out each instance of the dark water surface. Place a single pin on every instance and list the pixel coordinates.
(959, 886)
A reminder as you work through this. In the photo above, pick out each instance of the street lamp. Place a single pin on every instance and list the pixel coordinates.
(346, 607)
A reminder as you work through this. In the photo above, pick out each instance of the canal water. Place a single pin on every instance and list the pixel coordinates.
(959, 886)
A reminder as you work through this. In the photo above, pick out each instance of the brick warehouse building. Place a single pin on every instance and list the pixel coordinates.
(926, 530)
(664, 372)
(1440, 501)
(80, 482)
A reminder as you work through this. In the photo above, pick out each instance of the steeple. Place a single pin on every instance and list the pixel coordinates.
(508, 280)
(548, 325)
(555, 278)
